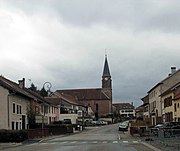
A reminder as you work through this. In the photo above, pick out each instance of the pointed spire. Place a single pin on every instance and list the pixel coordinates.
(106, 71)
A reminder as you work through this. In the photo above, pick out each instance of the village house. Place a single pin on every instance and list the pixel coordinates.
(176, 102)
(69, 107)
(125, 110)
(145, 107)
(22, 108)
(155, 101)
(14, 102)
(170, 104)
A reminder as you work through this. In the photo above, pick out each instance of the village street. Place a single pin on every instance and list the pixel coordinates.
(103, 138)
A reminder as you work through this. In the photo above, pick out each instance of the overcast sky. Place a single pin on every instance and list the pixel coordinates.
(64, 42)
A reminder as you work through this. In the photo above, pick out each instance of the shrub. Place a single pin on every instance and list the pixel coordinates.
(13, 135)
(56, 129)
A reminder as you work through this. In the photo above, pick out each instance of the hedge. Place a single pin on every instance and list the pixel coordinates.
(13, 135)
(56, 129)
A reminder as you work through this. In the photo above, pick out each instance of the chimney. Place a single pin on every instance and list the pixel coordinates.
(173, 70)
(22, 83)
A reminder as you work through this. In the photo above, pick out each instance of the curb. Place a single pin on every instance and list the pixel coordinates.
(9, 145)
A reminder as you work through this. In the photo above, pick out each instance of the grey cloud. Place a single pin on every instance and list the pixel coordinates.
(138, 15)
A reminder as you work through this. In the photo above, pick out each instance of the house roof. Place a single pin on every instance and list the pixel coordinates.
(140, 108)
(120, 106)
(86, 94)
(145, 99)
(14, 87)
(155, 87)
(171, 89)
(58, 98)
(177, 96)
(163, 80)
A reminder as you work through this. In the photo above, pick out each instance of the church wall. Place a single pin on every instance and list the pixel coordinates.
(104, 106)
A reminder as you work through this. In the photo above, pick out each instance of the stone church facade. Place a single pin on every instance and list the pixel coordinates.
(99, 99)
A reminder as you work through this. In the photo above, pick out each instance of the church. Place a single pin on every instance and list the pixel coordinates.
(99, 99)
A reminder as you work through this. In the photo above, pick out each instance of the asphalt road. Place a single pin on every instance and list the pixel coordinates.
(103, 138)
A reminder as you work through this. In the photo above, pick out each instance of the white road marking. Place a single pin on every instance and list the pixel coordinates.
(94, 142)
(64, 142)
(73, 142)
(104, 142)
(125, 141)
(135, 142)
(115, 142)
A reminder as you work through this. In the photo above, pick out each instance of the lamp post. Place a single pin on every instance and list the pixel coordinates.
(46, 85)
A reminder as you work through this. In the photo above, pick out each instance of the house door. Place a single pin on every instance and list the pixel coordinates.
(23, 122)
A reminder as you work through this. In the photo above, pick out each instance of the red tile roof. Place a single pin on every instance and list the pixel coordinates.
(120, 106)
(86, 94)
(14, 87)
(58, 98)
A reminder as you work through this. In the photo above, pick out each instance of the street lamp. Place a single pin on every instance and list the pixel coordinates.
(48, 86)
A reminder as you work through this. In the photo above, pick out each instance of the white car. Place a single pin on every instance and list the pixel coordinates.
(123, 126)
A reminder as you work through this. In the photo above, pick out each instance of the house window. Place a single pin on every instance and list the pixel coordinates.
(12, 124)
(168, 101)
(37, 109)
(17, 125)
(175, 108)
(20, 125)
(17, 108)
(14, 108)
(20, 112)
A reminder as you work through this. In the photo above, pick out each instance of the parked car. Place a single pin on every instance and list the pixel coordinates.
(172, 131)
(156, 128)
(167, 127)
(98, 123)
(123, 126)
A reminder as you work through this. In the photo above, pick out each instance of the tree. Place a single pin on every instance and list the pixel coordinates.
(33, 88)
(43, 92)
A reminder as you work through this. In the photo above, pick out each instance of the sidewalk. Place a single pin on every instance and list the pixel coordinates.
(11, 145)
(164, 144)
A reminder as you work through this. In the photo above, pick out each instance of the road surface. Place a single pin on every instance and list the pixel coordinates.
(102, 138)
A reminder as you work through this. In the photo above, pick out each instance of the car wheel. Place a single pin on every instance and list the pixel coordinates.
(167, 134)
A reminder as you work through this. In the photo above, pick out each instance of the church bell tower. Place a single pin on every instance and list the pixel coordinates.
(106, 77)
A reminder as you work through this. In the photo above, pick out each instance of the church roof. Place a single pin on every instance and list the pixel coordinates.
(86, 94)
(106, 71)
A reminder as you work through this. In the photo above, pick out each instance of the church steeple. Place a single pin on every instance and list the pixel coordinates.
(106, 72)
(106, 77)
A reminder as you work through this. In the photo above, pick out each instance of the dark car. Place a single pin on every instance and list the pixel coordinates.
(172, 131)
(166, 127)
(156, 128)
